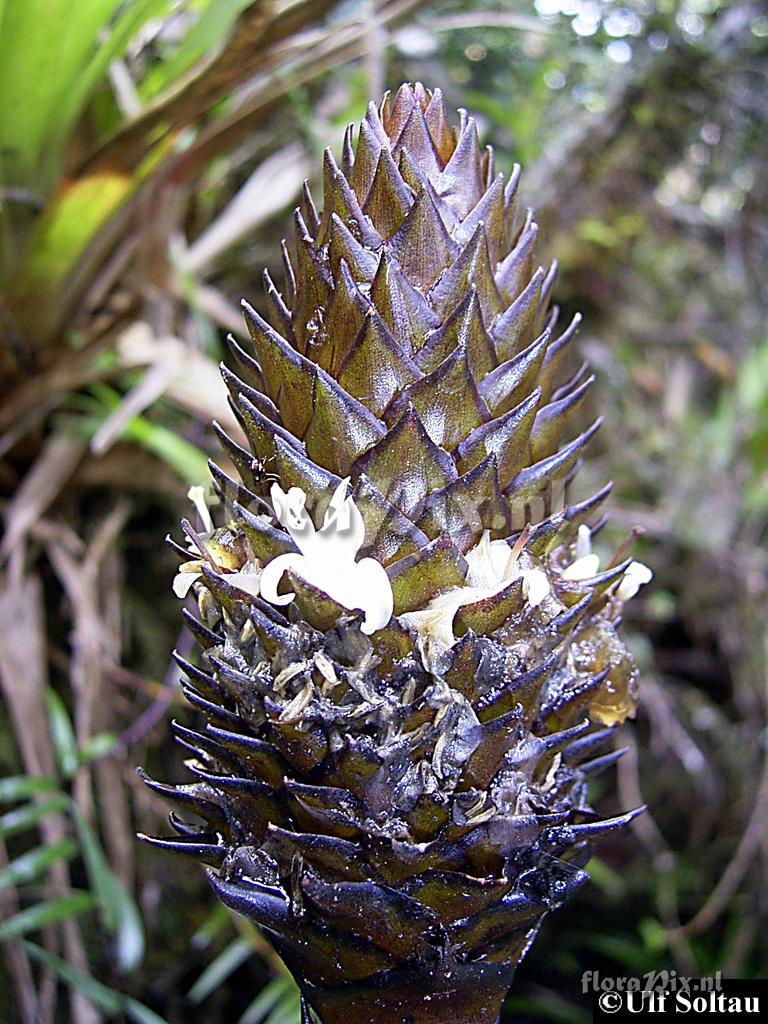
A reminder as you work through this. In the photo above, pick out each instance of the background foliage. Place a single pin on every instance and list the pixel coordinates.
(150, 151)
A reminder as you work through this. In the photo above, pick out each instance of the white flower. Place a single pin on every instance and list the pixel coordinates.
(587, 565)
(197, 496)
(185, 577)
(190, 571)
(327, 557)
(635, 577)
(493, 565)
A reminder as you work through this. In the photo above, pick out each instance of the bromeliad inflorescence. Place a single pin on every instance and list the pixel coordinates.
(409, 660)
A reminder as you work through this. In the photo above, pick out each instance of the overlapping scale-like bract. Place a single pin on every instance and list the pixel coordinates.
(400, 825)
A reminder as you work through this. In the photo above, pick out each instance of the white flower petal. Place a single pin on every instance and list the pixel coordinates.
(182, 582)
(376, 597)
(343, 529)
(337, 514)
(356, 534)
(291, 512)
(197, 496)
(642, 573)
(434, 624)
(583, 568)
(507, 569)
(486, 561)
(635, 577)
(249, 582)
(535, 586)
(273, 573)
(279, 502)
(327, 559)
(583, 541)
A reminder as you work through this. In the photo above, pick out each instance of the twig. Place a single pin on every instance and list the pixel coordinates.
(23, 676)
(488, 19)
(32, 398)
(151, 386)
(49, 473)
(149, 718)
(124, 88)
(376, 50)
(81, 583)
(664, 860)
(746, 851)
(271, 187)
(17, 959)
(255, 30)
(109, 772)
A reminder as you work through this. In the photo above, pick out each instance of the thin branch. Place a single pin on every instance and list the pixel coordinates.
(154, 714)
(749, 847)
(16, 957)
(664, 859)
(40, 487)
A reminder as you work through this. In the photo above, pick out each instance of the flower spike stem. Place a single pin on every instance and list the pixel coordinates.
(450, 996)
(402, 693)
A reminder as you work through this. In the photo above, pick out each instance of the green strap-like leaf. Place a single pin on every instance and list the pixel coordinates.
(31, 865)
(62, 734)
(128, 24)
(46, 45)
(202, 39)
(100, 995)
(20, 819)
(20, 787)
(235, 954)
(279, 996)
(40, 915)
(119, 913)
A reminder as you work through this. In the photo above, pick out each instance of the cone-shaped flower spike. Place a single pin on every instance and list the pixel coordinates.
(409, 654)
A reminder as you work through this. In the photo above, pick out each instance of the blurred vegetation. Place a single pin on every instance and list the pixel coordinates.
(150, 151)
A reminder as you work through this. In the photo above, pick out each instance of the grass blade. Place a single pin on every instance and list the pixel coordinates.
(100, 995)
(28, 815)
(119, 913)
(20, 787)
(39, 916)
(270, 997)
(62, 734)
(31, 865)
(235, 954)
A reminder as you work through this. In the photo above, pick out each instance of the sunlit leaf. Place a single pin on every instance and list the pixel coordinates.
(189, 462)
(201, 40)
(127, 25)
(218, 919)
(51, 40)
(184, 458)
(96, 747)
(277, 1003)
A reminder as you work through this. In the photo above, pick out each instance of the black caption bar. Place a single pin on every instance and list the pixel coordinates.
(732, 1000)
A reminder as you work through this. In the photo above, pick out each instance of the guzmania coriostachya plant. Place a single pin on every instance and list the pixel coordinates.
(409, 666)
